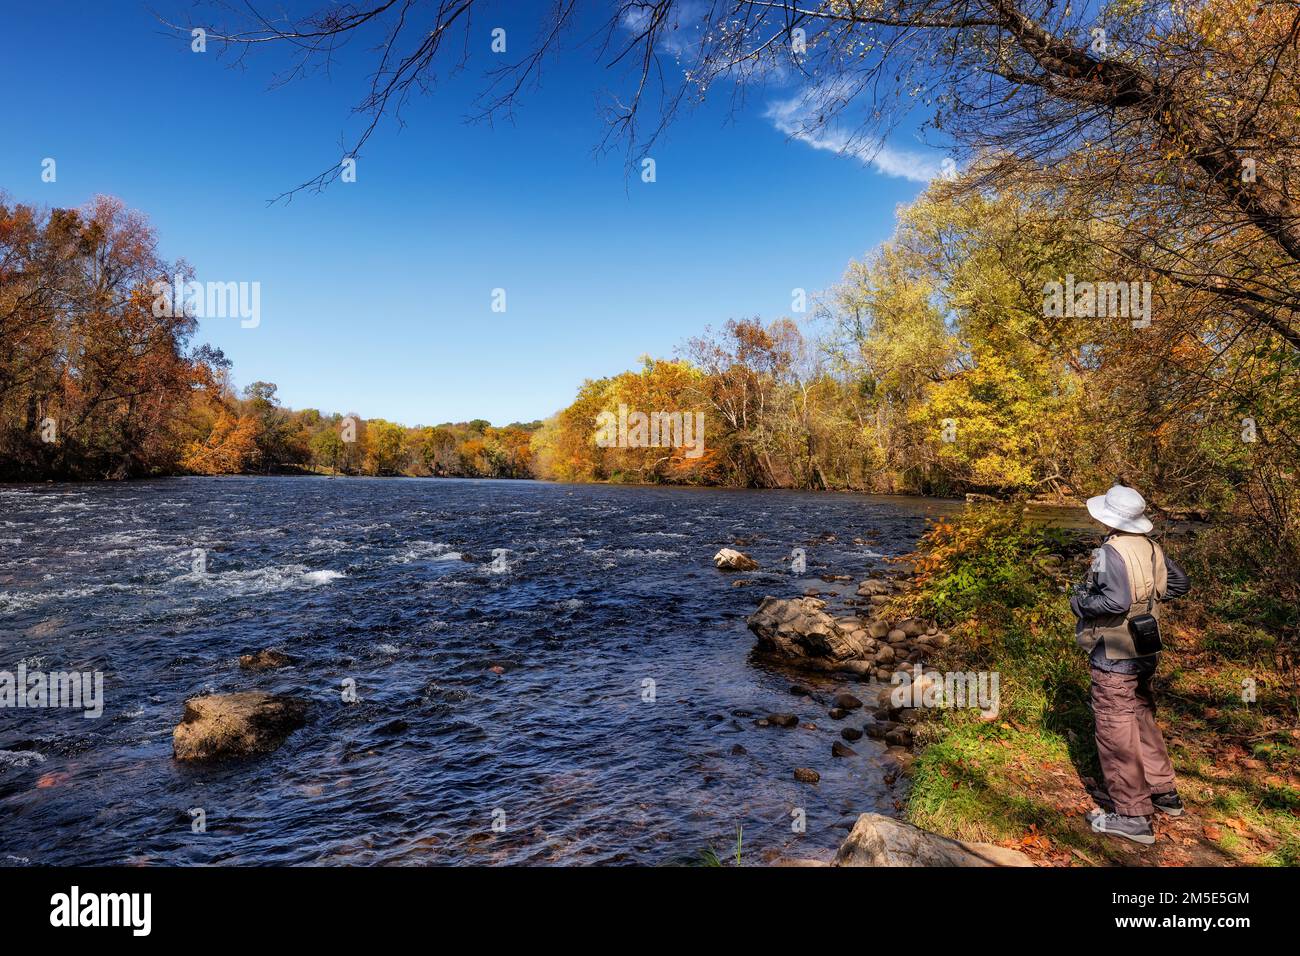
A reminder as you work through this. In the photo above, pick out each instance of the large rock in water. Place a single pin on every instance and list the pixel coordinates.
(800, 631)
(878, 840)
(236, 725)
(729, 559)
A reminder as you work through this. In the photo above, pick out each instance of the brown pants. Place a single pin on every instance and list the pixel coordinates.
(1134, 761)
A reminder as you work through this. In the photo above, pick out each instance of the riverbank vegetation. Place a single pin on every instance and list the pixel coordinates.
(1227, 692)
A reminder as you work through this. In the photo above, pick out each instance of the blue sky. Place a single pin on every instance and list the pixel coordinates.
(376, 295)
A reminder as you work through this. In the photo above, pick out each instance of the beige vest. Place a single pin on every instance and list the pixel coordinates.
(1136, 552)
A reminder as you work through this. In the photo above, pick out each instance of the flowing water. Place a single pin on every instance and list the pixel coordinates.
(501, 637)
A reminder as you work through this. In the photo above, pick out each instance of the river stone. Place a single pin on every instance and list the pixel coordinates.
(839, 749)
(846, 702)
(879, 629)
(236, 725)
(912, 627)
(729, 559)
(885, 655)
(896, 636)
(783, 720)
(800, 631)
(805, 775)
(877, 840)
(264, 660)
(902, 756)
(899, 737)
(870, 587)
(851, 733)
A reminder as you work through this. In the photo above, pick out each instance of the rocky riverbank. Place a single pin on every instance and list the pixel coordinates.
(853, 634)
(851, 631)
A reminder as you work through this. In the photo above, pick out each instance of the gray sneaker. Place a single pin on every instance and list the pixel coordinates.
(1168, 803)
(1137, 829)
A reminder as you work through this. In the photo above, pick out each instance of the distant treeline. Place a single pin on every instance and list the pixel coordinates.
(253, 433)
(94, 384)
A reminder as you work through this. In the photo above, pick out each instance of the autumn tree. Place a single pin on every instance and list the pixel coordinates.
(94, 378)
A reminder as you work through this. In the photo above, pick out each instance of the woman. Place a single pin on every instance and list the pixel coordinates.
(1129, 578)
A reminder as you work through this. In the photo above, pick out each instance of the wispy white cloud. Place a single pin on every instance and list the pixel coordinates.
(799, 118)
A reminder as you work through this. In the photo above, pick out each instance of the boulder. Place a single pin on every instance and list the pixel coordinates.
(264, 660)
(877, 840)
(800, 631)
(879, 629)
(236, 725)
(729, 559)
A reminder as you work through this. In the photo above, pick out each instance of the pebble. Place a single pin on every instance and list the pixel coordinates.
(805, 775)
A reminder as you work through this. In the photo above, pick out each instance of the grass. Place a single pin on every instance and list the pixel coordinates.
(709, 856)
(1021, 779)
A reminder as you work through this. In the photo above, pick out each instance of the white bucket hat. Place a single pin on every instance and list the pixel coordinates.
(1121, 508)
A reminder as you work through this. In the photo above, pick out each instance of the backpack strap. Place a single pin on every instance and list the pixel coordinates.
(1151, 598)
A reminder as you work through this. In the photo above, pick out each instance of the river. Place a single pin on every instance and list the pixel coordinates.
(544, 673)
